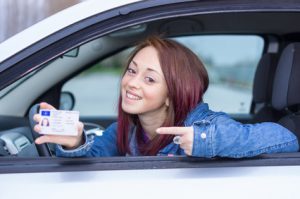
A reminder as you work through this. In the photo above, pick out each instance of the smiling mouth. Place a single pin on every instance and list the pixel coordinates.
(132, 96)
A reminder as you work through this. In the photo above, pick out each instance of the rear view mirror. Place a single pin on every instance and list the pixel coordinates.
(67, 101)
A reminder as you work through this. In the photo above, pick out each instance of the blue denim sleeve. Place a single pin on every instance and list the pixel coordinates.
(99, 146)
(225, 137)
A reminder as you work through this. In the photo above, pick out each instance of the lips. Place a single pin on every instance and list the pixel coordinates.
(132, 96)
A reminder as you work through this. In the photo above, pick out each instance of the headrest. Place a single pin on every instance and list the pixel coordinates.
(286, 89)
(263, 79)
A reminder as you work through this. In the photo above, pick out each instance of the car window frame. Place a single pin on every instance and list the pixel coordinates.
(55, 164)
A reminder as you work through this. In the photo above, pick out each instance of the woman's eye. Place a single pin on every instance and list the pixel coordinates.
(150, 80)
(130, 70)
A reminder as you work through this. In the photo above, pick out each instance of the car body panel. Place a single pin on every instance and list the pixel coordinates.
(173, 177)
(245, 182)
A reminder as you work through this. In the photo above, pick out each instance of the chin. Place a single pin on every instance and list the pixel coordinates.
(130, 109)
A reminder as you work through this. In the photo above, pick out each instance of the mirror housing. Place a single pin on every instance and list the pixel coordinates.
(67, 101)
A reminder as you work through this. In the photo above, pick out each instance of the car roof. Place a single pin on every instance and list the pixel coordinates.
(55, 23)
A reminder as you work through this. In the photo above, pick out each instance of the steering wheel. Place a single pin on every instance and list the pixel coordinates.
(43, 149)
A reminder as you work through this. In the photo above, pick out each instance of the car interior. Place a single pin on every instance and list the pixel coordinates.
(270, 85)
(262, 89)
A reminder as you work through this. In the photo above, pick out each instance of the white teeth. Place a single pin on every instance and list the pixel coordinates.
(130, 96)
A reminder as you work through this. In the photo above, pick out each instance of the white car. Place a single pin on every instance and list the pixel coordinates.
(74, 59)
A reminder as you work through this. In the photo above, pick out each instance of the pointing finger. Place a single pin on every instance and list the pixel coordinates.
(173, 130)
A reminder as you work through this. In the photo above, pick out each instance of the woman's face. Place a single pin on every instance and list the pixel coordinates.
(44, 122)
(143, 87)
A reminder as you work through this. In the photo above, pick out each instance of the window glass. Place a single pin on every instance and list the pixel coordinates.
(231, 63)
(230, 60)
(96, 90)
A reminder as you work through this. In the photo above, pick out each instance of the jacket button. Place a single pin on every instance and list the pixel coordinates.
(203, 135)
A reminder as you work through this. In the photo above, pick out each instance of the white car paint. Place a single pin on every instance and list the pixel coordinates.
(243, 182)
(56, 22)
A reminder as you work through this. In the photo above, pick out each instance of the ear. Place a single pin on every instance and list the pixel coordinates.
(167, 102)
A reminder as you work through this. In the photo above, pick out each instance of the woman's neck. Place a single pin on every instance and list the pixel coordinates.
(151, 123)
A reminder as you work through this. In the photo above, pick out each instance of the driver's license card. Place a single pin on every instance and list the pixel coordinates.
(59, 122)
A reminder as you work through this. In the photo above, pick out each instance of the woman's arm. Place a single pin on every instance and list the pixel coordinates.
(225, 137)
(100, 146)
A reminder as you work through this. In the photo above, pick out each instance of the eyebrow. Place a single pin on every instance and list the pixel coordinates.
(150, 69)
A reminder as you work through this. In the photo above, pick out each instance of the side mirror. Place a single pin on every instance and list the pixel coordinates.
(67, 101)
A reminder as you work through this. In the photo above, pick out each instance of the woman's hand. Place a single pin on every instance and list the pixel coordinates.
(69, 142)
(184, 136)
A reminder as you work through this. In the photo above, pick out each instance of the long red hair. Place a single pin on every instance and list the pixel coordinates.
(186, 79)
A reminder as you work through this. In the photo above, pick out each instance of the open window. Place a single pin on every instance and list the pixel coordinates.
(231, 73)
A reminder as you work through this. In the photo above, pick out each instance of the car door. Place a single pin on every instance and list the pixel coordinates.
(274, 176)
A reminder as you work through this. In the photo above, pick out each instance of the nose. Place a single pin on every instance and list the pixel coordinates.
(134, 82)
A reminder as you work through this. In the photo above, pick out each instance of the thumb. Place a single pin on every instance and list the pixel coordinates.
(42, 140)
(44, 105)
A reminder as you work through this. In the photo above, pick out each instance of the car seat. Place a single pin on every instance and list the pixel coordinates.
(286, 89)
(262, 90)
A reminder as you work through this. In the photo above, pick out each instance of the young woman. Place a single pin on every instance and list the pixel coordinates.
(161, 112)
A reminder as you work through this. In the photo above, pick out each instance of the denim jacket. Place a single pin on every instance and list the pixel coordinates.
(215, 134)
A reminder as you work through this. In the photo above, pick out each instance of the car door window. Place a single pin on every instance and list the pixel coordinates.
(230, 61)
(96, 90)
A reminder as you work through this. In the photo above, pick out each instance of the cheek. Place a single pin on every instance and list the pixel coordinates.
(157, 95)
